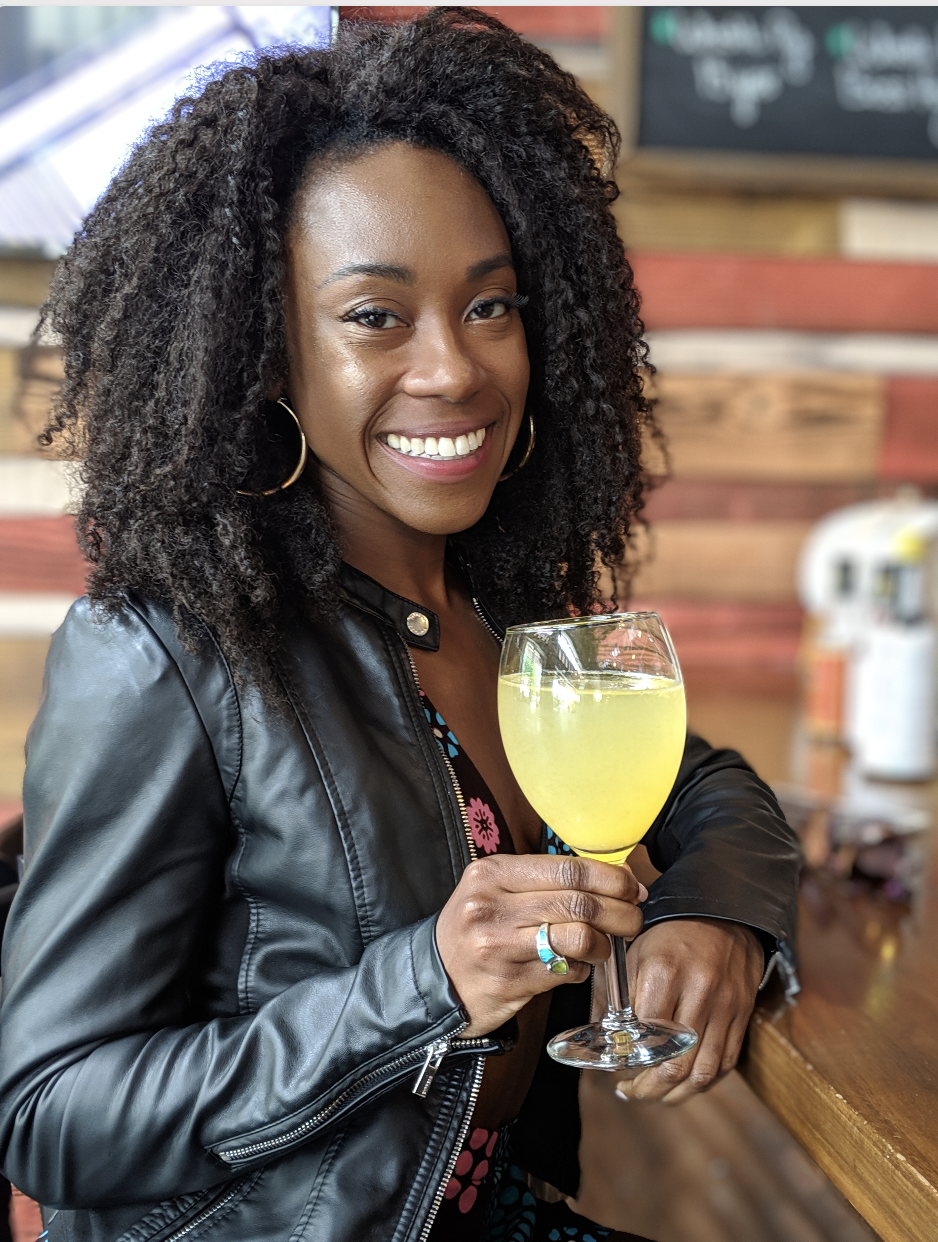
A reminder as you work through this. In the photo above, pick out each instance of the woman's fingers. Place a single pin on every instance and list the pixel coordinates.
(531, 873)
(486, 932)
(704, 974)
(578, 942)
(684, 1076)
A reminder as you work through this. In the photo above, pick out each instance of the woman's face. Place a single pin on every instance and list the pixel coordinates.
(408, 363)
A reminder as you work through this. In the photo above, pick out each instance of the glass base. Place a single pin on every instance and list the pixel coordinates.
(626, 1048)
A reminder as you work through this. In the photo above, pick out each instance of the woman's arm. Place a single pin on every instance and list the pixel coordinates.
(724, 847)
(727, 898)
(111, 1089)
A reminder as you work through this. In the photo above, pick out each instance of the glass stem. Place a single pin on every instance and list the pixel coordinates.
(619, 1014)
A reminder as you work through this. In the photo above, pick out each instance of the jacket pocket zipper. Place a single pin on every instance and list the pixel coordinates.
(427, 1054)
(441, 1048)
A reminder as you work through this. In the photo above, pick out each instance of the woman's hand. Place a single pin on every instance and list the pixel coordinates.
(704, 973)
(486, 931)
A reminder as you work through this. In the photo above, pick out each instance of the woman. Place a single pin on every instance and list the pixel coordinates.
(272, 973)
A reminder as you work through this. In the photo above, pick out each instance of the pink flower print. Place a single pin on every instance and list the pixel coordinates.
(463, 1164)
(467, 1199)
(482, 825)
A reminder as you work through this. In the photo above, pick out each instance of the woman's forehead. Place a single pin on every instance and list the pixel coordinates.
(402, 205)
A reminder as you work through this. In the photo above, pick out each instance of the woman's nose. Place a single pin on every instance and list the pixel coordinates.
(441, 365)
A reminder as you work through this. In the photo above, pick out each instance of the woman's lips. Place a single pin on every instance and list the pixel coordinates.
(439, 457)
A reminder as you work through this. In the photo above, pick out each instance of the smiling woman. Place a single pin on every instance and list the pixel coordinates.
(351, 358)
(410, 374)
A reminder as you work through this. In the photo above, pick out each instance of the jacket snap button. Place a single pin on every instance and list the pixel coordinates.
(418, 624)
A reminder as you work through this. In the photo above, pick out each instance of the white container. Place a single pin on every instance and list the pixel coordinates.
(893, 701)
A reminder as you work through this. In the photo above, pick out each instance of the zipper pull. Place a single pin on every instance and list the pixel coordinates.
(428, 1071)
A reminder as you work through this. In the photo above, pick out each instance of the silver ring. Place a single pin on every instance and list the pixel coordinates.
(555, 962)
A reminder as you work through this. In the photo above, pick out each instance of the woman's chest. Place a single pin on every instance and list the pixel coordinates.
(463, 694)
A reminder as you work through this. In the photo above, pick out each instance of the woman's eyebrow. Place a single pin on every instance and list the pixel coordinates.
(478, 270)
(385, 271)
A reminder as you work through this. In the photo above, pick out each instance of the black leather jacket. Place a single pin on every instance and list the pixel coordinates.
(220, 975)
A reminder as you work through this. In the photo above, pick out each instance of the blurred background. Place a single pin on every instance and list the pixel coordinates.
(779, 206)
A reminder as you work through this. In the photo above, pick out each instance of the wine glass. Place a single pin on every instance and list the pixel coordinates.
(592, 717)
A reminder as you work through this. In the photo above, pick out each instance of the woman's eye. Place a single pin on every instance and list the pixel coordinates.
(493, 309)
(374, 317)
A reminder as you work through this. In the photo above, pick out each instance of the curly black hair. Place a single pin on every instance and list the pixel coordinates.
(169, 305)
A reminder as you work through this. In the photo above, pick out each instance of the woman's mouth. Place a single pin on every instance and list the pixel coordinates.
(436, 448)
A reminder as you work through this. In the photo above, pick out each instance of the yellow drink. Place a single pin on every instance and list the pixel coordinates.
(596, 754)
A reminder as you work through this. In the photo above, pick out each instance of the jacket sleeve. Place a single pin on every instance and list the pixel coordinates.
(110, 1092)
(724, 847)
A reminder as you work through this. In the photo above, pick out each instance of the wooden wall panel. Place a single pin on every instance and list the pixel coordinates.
(567, 22)
(40, 554)
(712, 222)
(720, 634)
(9, 378)
(721, 560)
(743, 500)
(25, 282)
(800, 428)
(827, 295)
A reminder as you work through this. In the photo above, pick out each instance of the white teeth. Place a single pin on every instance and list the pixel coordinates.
(444, 447)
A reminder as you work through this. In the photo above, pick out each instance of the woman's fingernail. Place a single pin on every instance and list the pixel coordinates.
(620, 1091)
(642, 893)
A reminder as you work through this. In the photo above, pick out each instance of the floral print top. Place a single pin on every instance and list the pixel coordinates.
(487, 825)
(487, 1198)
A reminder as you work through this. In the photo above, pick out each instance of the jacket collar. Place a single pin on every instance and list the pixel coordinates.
(417, 625)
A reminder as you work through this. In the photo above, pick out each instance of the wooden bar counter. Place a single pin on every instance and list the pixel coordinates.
(851, 1069)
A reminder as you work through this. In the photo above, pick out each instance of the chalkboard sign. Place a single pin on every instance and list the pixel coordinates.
(832, 81)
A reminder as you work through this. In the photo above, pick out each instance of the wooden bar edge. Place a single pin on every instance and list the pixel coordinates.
(885, 1188)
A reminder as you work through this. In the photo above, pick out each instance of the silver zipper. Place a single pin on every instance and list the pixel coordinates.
(428, 1071)
(311, 1123)
(203, 1216)
(428, 1052)
(451, 1163)
(460, 800)
(436, 1054)
(485, 621)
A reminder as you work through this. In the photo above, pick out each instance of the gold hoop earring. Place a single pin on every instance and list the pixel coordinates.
(300, 465)
(532, 436)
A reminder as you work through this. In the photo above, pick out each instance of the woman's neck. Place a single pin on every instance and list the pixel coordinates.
(407, 561)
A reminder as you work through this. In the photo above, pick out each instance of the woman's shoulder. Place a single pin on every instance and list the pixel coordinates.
(132, 641)
(126, 661)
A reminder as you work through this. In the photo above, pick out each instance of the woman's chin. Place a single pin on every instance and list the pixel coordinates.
(438, 519)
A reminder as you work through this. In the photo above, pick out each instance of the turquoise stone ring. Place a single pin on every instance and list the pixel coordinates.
(555, 962)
